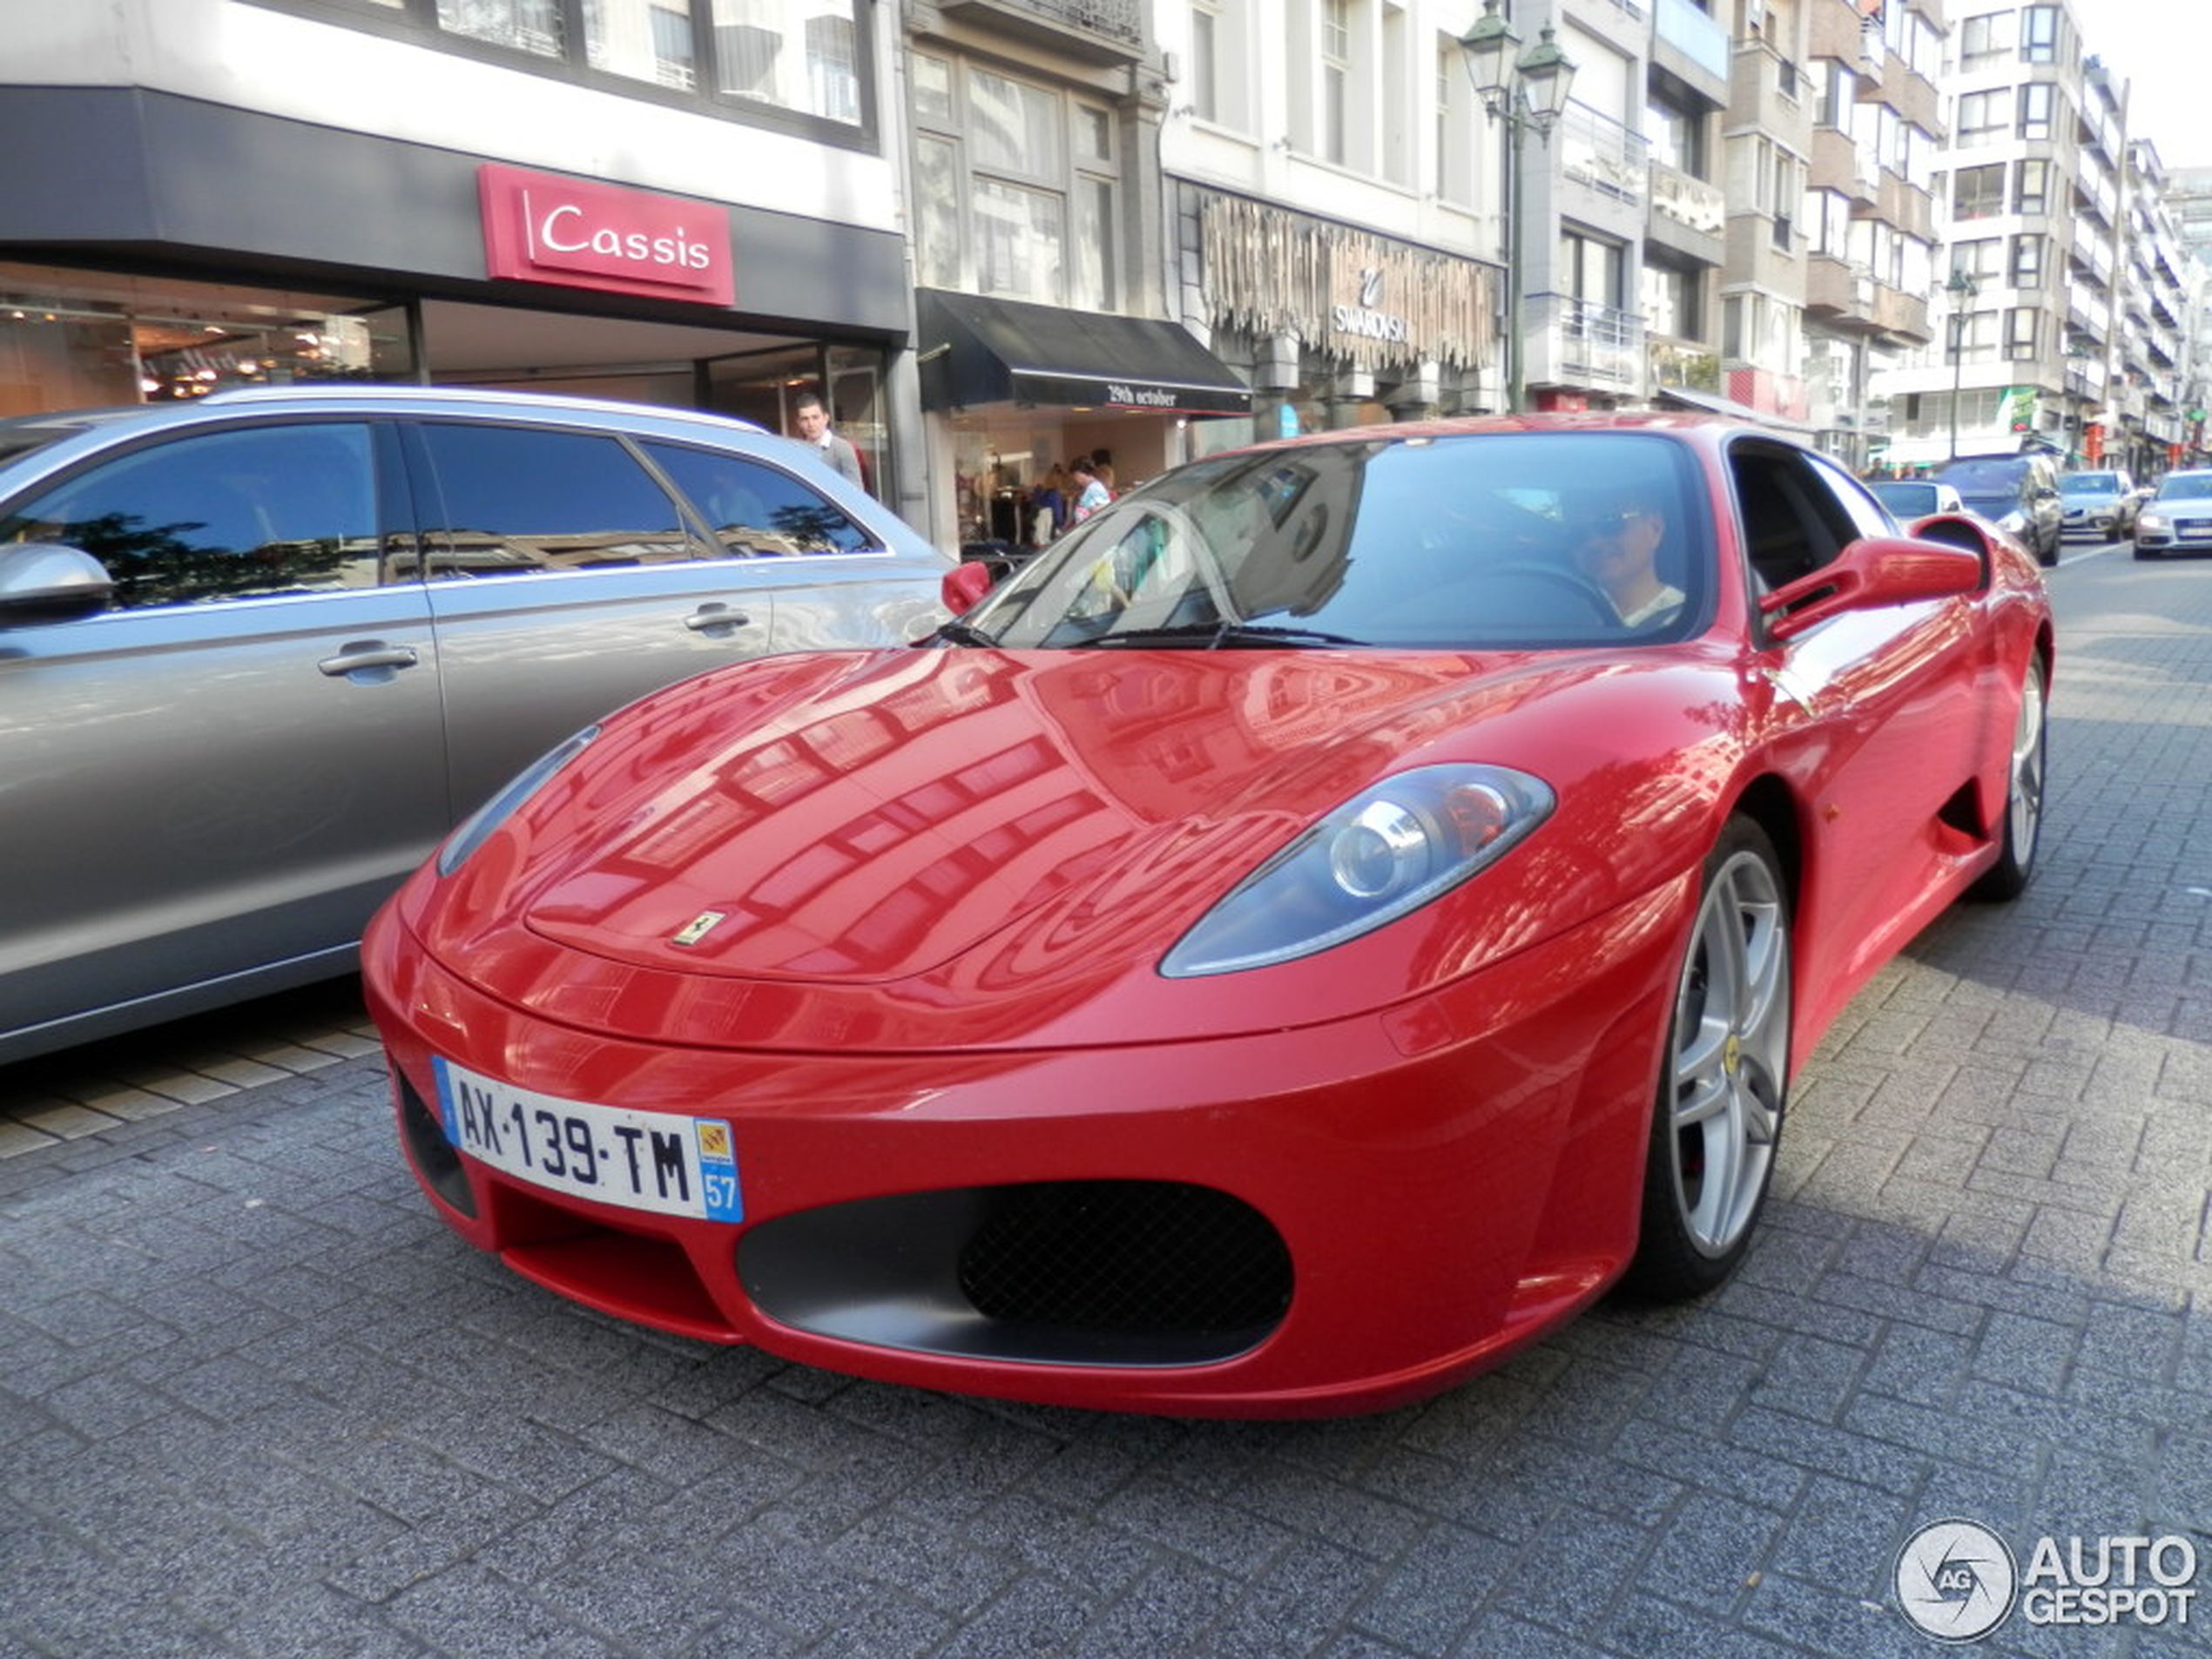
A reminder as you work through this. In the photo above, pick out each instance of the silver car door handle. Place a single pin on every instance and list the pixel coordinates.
(710, 616)
(368, 653)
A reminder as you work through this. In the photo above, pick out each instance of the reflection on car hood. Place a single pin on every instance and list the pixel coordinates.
(874, 835)
(975, 828)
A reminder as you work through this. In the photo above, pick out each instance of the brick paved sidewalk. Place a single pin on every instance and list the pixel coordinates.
(256, 1400)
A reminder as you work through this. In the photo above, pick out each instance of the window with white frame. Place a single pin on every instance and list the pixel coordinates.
(1983, 117)
(1978, 193)
(1333, 131)
(1016, 186)
(1985, 39)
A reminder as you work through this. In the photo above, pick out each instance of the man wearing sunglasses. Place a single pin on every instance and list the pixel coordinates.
(1616, 546)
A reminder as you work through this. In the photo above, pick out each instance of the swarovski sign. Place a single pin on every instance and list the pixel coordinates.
(1365, 316)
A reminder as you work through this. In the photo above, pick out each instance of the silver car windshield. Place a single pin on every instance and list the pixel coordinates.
(1495, 540)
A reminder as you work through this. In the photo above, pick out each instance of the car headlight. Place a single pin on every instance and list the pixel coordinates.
(2151, 521)
(1387, 851)
(476, 828)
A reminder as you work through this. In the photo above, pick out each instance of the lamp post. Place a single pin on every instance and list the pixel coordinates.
(1962, 291)
(1526, 92)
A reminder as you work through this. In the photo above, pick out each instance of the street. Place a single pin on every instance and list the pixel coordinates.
(257, 1401)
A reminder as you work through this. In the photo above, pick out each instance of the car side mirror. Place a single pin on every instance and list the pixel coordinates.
(1879, 570)
(964, 586)
(50, 582)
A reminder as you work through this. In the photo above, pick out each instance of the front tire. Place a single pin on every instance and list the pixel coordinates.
(1718, 1118)
(2023, 826)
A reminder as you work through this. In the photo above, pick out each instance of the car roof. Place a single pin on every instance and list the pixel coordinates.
(387, 397)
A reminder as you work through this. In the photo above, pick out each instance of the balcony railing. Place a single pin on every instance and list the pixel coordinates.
(1690, 202)
(1589, 343)
(1697, 37)
(1118, 25)
(1599, 152)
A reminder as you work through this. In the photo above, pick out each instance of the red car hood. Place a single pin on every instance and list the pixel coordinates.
(951, 828)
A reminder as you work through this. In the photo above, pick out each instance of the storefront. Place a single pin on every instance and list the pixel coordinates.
(169, 247)
(1020, 389)
(1335, 324)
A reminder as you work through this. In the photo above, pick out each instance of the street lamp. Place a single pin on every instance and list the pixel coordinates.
(1962, 291)
(1525, 91)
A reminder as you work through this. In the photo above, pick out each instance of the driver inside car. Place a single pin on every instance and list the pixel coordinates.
(1616, 545)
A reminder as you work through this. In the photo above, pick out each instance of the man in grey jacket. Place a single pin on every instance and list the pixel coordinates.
(813, 423)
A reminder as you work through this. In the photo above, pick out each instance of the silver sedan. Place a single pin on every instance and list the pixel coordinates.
(260, 651)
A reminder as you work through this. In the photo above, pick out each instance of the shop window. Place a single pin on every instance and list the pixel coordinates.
(512, 501)
(754, 508)
(248, 515)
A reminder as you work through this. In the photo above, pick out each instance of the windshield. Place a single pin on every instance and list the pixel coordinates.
(1907, 500)
(2186, 486)
(2089, 483)
(1490, 541)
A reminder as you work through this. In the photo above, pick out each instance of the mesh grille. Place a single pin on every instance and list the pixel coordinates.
(1127, 1255)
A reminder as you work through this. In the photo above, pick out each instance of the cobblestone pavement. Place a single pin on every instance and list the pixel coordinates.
(255, 1400)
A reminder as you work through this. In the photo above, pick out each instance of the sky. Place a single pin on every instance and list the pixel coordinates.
(2160, 48)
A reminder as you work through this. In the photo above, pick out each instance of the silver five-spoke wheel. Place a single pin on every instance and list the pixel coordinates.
(1718, 1117)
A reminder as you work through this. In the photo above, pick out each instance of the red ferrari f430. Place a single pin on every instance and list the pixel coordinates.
(1310, 933)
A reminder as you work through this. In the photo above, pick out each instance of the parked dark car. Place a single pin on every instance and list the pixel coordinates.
(2020, 494)
(259, 652)
(2099, 504)
(2178, 519)
(1911, 498)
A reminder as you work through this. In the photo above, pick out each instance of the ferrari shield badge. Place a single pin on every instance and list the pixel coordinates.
(699, 927)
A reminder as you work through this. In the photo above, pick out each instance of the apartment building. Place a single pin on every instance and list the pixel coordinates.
(2063, 285)
(685, 201)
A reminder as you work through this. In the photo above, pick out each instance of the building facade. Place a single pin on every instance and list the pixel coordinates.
(686, 201)
(2063, 284)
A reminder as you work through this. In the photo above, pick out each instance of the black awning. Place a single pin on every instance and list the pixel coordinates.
(976, 351)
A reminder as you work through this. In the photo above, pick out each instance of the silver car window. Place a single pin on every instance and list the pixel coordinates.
(246, 513)
(753, 508)
(515, 501)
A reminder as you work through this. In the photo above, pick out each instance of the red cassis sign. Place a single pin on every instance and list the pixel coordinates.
(542, 227)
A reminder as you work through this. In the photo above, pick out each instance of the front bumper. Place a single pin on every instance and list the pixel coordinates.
(2184, 536)
(1337, 1217)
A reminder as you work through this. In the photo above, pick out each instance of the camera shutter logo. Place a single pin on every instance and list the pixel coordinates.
(1956, 1579)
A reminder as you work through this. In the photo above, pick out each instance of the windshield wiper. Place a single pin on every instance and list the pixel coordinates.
(957, 632)
(1212, 635)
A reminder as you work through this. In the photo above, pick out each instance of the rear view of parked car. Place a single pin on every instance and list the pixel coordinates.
(1913, 498)
(2100, 505)
(2178, 519)
(260, 652)
(2020, 494)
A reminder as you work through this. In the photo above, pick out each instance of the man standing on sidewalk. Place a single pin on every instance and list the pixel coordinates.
(813, 423)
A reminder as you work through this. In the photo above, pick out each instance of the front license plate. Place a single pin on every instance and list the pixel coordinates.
(658, 1161)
